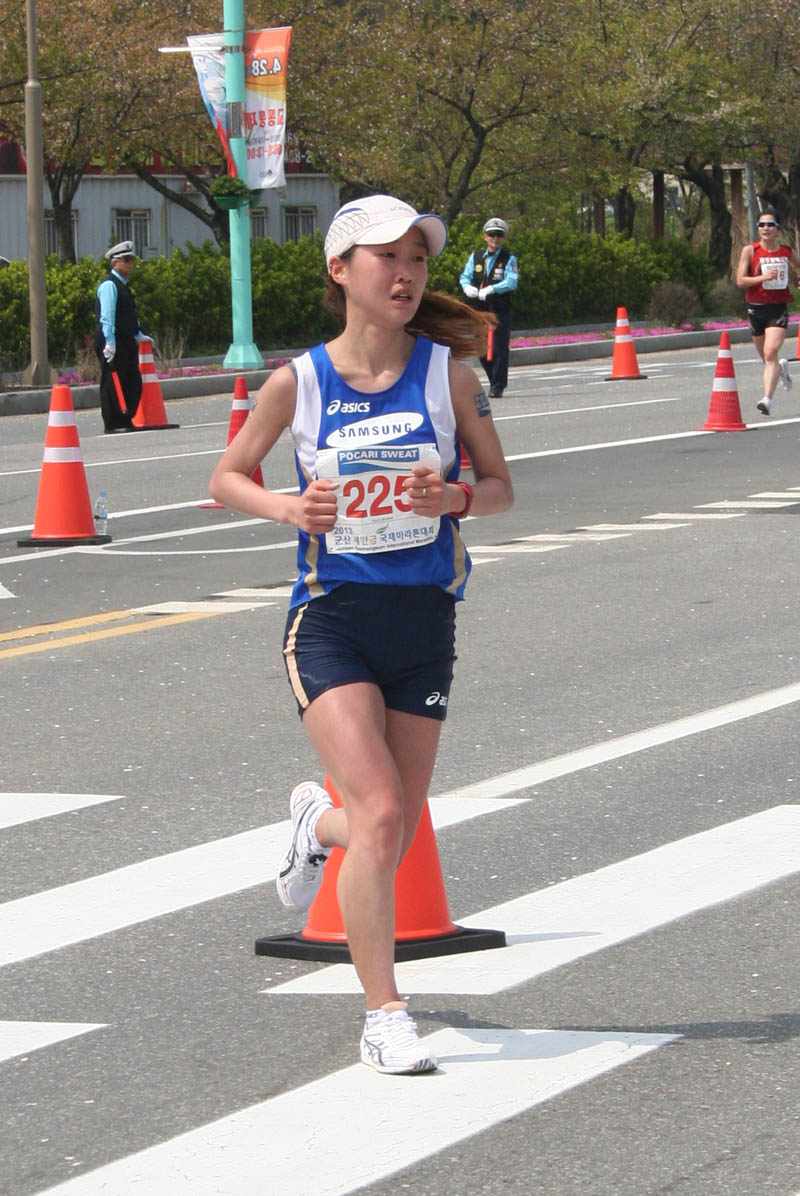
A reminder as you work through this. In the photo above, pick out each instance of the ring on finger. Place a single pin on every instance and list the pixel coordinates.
(424, 491)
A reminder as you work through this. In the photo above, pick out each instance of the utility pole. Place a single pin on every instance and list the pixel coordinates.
(242, 353)
(38, 373)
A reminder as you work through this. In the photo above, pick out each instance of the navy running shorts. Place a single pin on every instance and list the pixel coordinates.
(400, 638)
(767, 315)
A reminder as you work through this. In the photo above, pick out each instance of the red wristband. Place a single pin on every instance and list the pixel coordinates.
(470, 493)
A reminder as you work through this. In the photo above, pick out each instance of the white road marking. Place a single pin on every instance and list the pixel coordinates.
(630, 527)
(626, 745)
(265, 593)
(589, 913)
(507, 549)
(498, 419)
(355, 1127)
(749, 504)
(591, 448)
(187, 608)
(692, 515)
(16, 808)
(544, 537)
(20, 1038)
(4, 593)
(73, 913)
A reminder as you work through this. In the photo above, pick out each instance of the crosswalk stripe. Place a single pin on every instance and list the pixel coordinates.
(355, 1127)
(589, 913)
(16, 808)
(20, 1038)
(72, 913)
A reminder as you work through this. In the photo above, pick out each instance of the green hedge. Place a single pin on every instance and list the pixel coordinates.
(564, 278)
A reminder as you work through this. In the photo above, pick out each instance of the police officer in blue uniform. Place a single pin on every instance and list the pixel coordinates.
(116, 340)
(488, 280)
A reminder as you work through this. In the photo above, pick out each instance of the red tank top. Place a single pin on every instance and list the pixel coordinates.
(775, 290)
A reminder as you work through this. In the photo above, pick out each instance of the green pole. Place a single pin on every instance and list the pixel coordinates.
(242, 353)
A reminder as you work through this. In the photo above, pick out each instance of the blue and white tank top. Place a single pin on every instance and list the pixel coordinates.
(369, 443)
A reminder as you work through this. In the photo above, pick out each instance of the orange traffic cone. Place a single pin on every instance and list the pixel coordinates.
(624, 364)
(63, 508)
(423, 926)
(724, 412)
(239, 412)
(150, 414)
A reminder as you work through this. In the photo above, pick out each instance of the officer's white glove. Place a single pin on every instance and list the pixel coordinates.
(484, 293)
(471, 292)
(109, 349)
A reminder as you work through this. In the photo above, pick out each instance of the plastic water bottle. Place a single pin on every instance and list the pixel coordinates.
(101, 513)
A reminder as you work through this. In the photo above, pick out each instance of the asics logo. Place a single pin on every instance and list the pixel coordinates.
(346, 408)
(436, 699)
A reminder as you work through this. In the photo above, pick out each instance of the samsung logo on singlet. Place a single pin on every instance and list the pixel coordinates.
(375, 431)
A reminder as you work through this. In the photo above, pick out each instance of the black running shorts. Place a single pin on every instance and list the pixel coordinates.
(400, 638)
(767, 315)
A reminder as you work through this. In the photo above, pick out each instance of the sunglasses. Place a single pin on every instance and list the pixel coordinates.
(767, 224)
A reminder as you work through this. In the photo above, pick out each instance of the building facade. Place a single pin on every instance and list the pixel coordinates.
(110, 207)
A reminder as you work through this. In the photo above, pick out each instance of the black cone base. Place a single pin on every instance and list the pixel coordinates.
(463, 938)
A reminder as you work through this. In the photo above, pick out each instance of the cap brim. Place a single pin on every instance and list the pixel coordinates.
(433, 229)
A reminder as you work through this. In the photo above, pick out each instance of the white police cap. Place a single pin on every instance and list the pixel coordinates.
(123, 249)
(496, 225)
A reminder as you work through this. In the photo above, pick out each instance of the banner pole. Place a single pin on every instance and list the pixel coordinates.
(243, 353)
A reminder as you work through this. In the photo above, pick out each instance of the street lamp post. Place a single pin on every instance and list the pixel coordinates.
(38, 373)
(242, 353)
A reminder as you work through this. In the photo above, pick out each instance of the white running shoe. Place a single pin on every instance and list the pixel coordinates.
(764, 405)
(786, 381)
(300, 873)
(390, 1045)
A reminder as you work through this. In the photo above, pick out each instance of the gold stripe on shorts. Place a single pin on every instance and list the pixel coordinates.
(299, 692)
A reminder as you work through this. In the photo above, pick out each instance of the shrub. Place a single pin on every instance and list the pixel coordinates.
(565, 278)
(674, 304)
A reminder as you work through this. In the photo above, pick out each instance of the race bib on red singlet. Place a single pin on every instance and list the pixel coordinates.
(781, 280)
(373, 511)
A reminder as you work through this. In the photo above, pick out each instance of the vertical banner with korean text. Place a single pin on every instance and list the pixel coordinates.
(266, 60)
(265, 64)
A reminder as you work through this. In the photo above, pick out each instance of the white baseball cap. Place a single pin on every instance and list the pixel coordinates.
(380, 220)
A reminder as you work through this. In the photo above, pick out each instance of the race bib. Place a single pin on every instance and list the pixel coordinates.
(781, 280)
(374, 514)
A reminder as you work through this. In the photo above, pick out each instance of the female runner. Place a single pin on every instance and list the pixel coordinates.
(377, 416)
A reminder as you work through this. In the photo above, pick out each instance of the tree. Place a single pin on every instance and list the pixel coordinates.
(443, 101)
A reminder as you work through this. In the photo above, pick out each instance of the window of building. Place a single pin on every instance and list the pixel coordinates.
(132, 224)
(258, 223)
(299, 222)
(51, 234)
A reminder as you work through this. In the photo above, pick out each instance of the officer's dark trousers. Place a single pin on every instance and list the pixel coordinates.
(497, 368)
(126, 365)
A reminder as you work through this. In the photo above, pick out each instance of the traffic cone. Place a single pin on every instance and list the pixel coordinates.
(150, 414)
(63, 508)
(239, 412)
(724, 412)
(423, 926)
(624, 364)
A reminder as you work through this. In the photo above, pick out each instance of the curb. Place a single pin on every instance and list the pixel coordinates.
(37, 402)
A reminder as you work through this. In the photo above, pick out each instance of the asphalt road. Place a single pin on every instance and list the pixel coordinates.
(618, 789)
